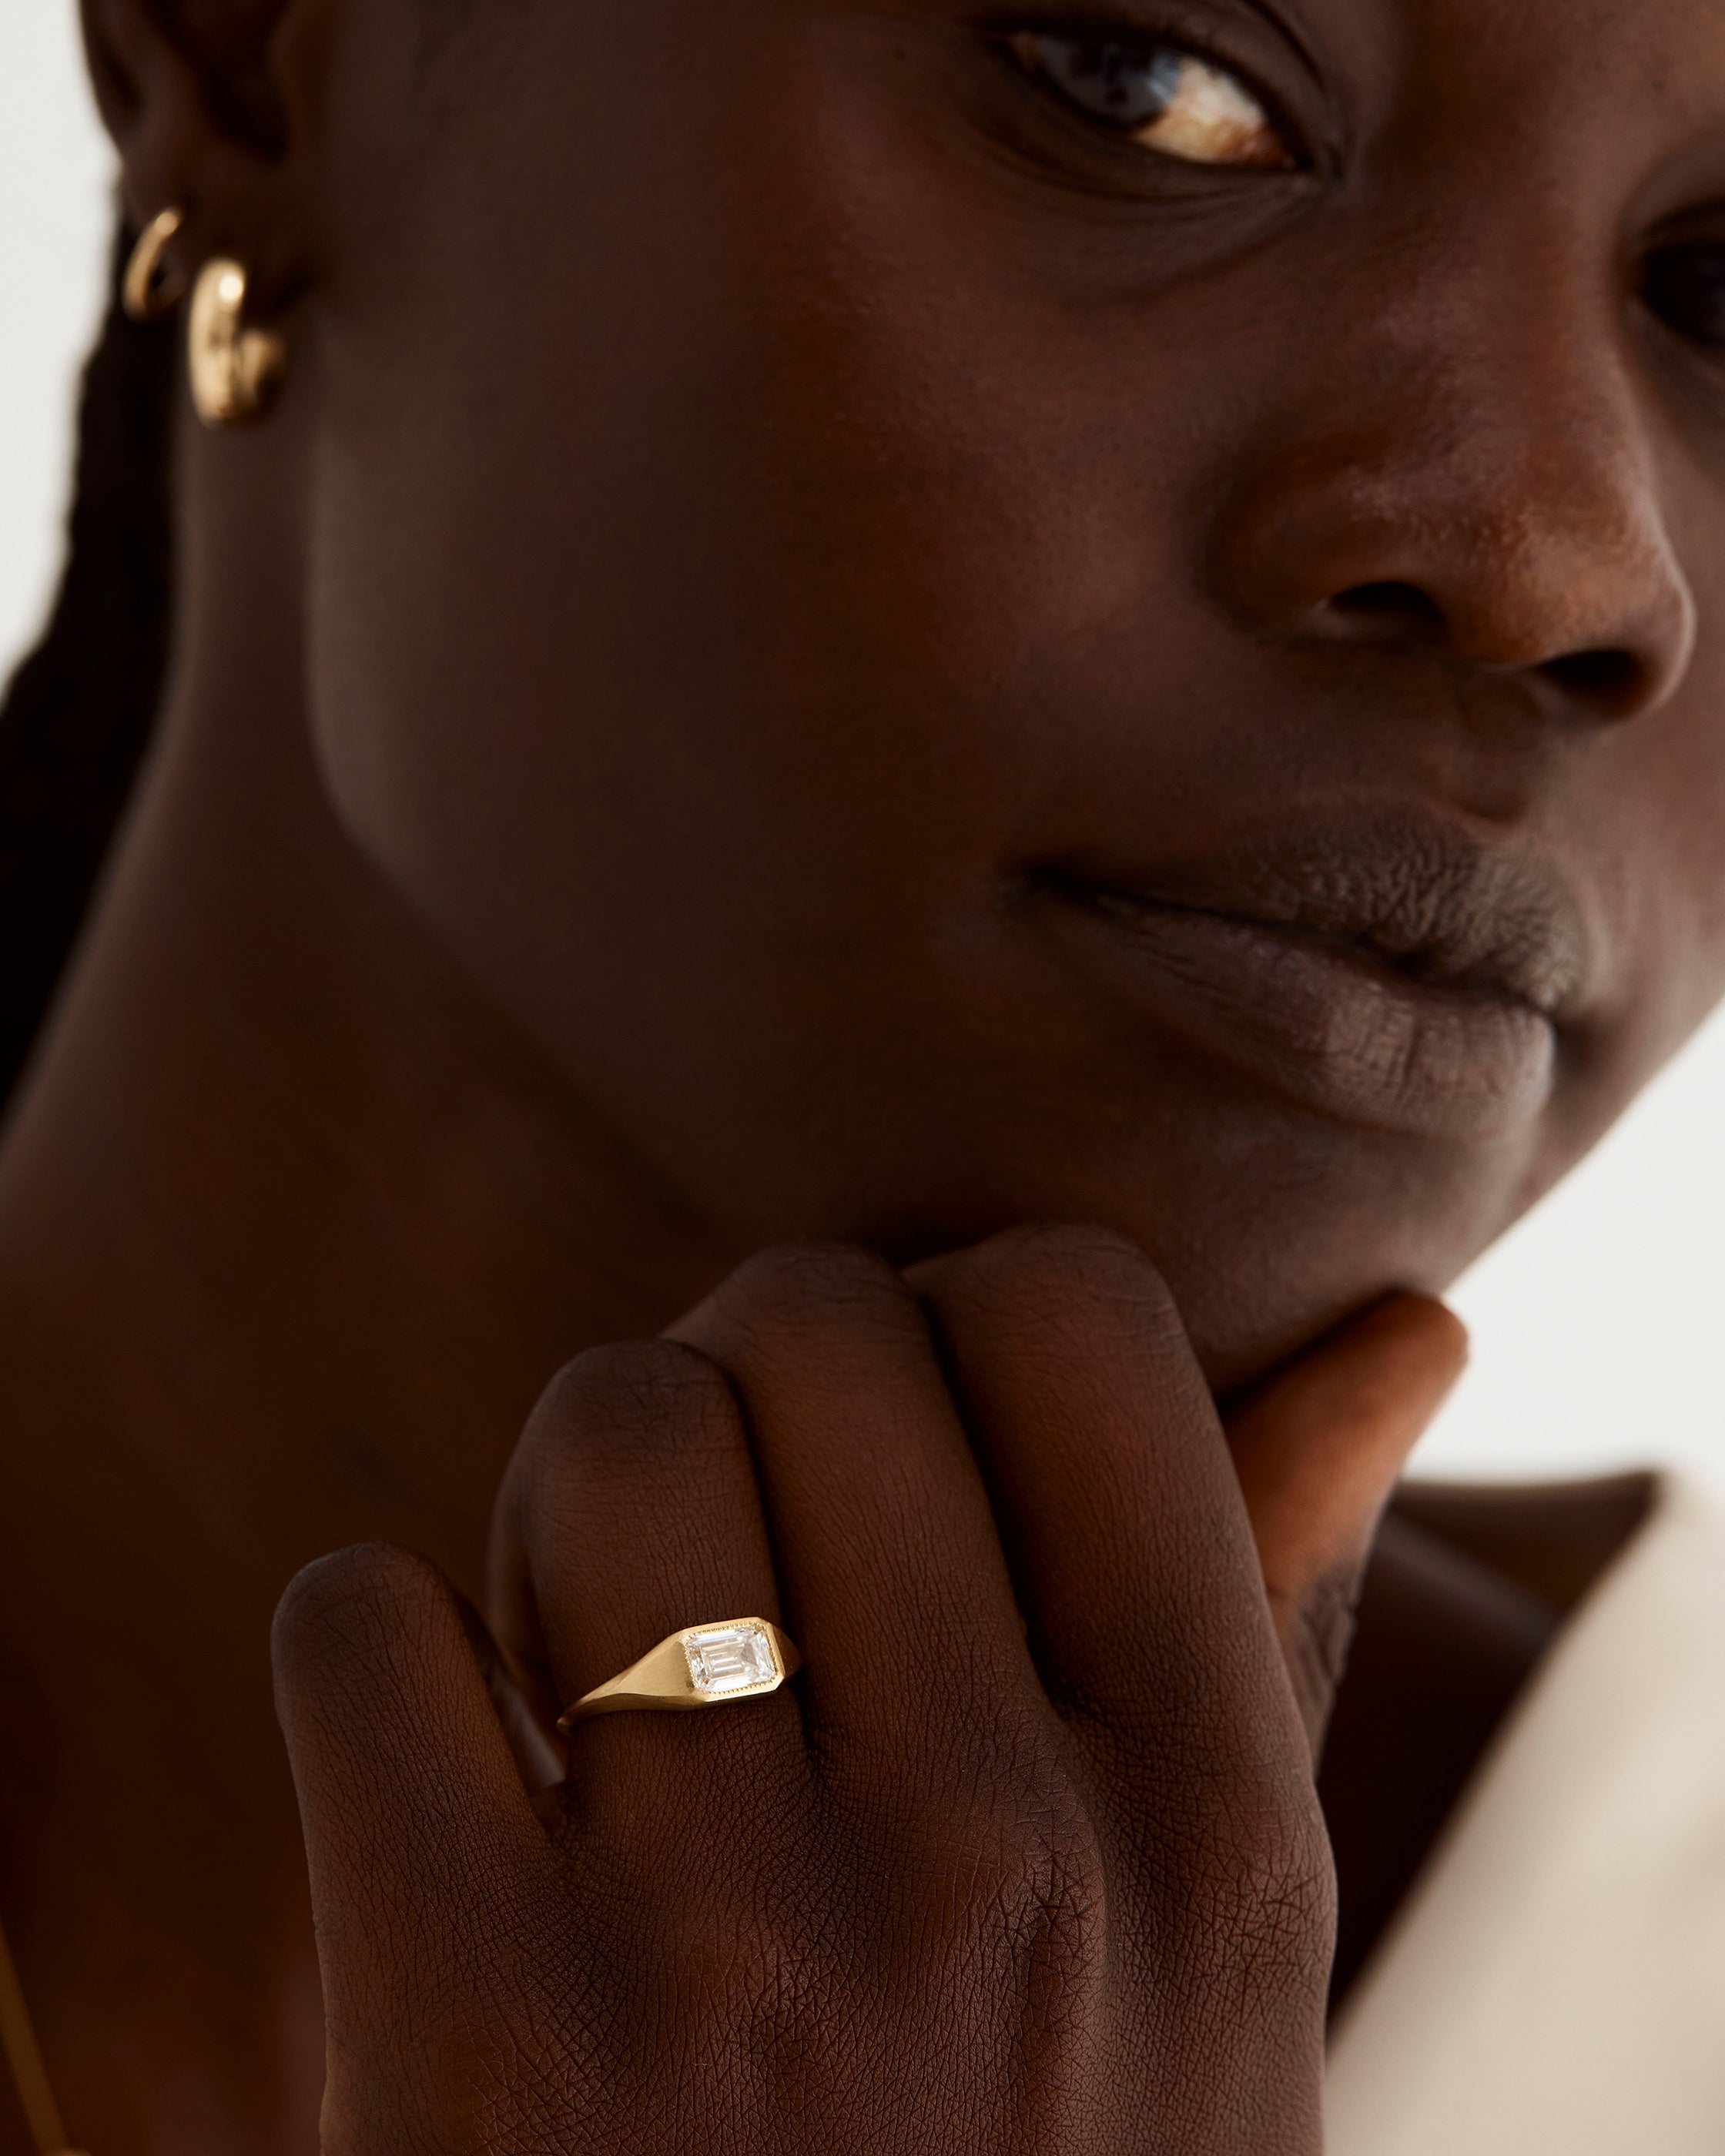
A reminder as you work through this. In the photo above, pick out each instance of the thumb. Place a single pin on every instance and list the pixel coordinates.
(1318, 1448)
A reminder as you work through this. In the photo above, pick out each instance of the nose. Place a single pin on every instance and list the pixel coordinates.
(1487, 508)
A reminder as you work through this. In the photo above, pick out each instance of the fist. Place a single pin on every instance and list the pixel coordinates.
(1028, 1858)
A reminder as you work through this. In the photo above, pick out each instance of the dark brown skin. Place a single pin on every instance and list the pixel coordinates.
(1032, 1861)
(828, 595)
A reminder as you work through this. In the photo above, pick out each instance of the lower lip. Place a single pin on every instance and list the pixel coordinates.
(1330, 1030)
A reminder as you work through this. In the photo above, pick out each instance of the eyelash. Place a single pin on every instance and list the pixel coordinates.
(1678, 280)
(1143, 45)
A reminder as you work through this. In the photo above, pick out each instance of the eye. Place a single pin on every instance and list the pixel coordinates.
(1685, 286)
(1156, 95)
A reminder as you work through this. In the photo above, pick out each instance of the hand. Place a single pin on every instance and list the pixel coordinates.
(1028, 1859)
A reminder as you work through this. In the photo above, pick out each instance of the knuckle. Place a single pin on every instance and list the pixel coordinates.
(753, 1956)
(1264, 1912)
(821, 1284)
(1059, 1934)
(1032, 1878)
(612, 1419)
(1037, 1861)
(345, 1607)
(993, 1836)
(1316, 1630)
(618, 1405)
(1053, 1267)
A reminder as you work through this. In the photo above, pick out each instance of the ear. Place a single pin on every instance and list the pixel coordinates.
(190, 92)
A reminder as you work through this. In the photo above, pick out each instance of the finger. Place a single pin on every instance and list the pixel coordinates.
(1318, 1450)
(885, 1543)
(1123, 1519)
(417, 1825)
(630, 1512)
(535, 1742)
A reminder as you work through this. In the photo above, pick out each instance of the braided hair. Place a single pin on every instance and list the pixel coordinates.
(79, 713)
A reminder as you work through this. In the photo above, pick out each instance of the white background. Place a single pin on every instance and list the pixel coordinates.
(1598, 1327)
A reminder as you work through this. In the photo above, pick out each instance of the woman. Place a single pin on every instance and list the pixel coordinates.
(848, 624)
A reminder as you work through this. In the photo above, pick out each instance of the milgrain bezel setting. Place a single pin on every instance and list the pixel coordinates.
(711, 1665)
(733, 1661)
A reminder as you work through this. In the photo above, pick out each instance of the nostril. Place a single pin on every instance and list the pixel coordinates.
(1605, 682)
(1612, 683)
(1388, 610)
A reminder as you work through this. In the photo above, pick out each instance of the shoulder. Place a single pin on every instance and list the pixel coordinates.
(1554, 1976)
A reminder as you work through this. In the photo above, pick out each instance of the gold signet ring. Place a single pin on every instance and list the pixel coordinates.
(706, 1665)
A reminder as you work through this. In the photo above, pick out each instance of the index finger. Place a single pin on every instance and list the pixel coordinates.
(1318, 1449)
(1129, 1543)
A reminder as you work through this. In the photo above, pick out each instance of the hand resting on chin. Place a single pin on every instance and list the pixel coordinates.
(1028, 1858)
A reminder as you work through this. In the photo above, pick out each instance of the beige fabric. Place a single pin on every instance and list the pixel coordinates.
(1556, 1982)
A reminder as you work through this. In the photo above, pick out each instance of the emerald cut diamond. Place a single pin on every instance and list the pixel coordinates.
(731, 1658)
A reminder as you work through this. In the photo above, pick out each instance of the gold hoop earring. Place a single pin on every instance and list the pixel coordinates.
(235, 372)
(152, 287)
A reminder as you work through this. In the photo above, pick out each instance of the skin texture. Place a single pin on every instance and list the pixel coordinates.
(774, 532)
(1031, 1859)
(1109, 621)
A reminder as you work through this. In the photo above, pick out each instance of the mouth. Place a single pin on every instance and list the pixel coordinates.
(1394, 975)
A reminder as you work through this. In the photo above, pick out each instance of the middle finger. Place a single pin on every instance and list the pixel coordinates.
(631, 1512)
(884, 1540)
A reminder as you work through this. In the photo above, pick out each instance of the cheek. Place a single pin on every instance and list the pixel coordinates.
(705, 613)
(712, 615)
(726, 520)
(1658, 803)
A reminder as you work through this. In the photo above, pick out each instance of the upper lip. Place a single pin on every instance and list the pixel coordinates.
(1417, 897)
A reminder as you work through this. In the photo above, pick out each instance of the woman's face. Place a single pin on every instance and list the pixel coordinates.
(967, 618)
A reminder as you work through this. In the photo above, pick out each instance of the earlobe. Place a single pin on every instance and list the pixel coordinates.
(188, 97)
(236, 370)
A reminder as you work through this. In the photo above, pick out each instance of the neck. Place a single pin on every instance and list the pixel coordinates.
(293, 1231)
(285, 1199)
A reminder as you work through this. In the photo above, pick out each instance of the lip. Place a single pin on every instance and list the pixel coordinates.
(1392, 974)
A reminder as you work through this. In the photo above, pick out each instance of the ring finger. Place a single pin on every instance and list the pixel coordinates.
(631, 1512)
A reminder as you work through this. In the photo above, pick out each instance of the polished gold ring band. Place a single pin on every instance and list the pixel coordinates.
(703, 1665)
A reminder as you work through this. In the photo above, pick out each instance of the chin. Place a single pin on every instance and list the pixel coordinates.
(1270, 1224)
